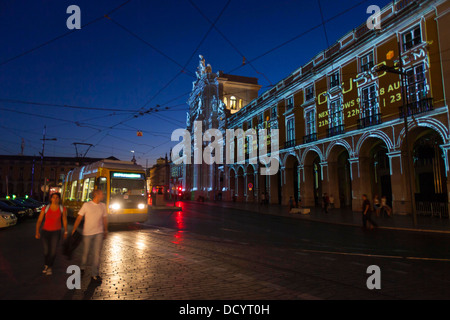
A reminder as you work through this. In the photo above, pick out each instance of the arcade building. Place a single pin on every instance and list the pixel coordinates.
(341, 119)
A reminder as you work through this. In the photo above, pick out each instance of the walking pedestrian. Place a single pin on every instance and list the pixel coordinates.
(384, 207)
(95, 230)
(291, 203)
(54, 215)
(366, 213)
(326, 202)
(376, 205)
(331, 200)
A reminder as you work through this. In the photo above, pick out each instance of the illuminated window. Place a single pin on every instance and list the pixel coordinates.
(85, 190)
(417, 87)
(225, 101)
(335, 114)
(73, 190)
(240, 103)
(366, 62)
(369, 104)
(412, 38)
(233, 102)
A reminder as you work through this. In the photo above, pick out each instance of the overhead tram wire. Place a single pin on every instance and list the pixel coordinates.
(300, 35)
(63, 35)
(142, 110)
(229, 42)
(183, 69)
(44, 104)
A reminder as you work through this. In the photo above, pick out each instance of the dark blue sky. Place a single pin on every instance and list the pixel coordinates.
(103, 66)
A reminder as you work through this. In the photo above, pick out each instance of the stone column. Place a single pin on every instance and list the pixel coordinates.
(401, 199)
(356, 184)
(307, 185)
(445, 151)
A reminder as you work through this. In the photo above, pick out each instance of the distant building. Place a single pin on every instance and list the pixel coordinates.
(214, 98)
(23, 175)
(158, 177)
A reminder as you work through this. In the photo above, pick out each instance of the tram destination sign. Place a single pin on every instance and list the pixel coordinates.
(127, 175)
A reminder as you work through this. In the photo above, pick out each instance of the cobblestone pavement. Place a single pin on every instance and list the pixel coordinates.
(154, 262)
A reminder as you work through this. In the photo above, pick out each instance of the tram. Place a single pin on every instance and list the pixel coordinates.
(122, 182)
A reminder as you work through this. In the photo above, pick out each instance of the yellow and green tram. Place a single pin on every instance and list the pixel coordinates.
(122, 182)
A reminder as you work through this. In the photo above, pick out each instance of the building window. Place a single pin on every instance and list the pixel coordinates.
(310, 122)
(370, 112)
(289, 103)
(334, 80)
(369, 105)
(310, 129)
(309, 93)
(233, 102)
(225, 101)
(336, 118)
(366, 62)
(417, 89)
(290, 133)
(273, 113)
(240, 104)
(417, 92)
(412, 38)
(260, 118)
(335, 114)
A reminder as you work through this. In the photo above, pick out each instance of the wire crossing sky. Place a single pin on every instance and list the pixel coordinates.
(131, 65)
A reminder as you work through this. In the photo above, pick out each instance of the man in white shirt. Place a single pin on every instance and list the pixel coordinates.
(95, 229)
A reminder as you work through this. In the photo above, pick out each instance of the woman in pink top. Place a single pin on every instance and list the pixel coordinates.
(51, 230)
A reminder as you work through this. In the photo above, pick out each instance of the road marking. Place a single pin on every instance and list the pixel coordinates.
(224, 229)
(399, 271)
(374, 255)
(328, 258)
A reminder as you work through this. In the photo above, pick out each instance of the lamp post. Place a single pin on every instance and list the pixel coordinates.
(410, 173)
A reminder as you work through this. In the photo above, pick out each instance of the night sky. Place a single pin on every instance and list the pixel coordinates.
(133, 62)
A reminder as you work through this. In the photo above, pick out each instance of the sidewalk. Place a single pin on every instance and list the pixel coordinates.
(343, 217)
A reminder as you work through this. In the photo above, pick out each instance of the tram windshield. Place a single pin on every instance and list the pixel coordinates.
(127, 189)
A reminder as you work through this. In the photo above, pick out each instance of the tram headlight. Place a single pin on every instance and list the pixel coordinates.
(141, 206)
(115, 206)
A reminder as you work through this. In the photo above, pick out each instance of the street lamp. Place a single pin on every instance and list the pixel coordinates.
(399, 70)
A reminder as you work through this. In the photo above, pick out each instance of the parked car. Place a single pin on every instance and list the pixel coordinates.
(31, 200)
(20, 212)
(28, 204)
(7, 219)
